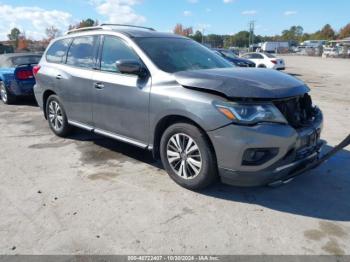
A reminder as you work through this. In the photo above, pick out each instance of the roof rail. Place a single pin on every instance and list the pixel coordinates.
(133, 26)
(83, 29)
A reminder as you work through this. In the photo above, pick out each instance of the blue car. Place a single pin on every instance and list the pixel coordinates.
(16, 75)
(233, 58)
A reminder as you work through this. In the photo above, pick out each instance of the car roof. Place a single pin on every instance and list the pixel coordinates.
(130, 31)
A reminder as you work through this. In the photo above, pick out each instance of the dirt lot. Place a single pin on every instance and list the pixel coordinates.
(91, 195)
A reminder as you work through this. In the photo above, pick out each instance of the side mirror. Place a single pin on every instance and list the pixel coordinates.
(131, 67)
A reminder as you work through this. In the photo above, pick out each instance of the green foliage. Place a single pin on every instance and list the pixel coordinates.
(345, 31)
(14, 35)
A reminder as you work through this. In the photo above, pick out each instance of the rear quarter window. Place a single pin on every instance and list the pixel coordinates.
(58, 51)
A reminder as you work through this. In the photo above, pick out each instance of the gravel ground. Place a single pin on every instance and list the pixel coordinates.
(92, 195)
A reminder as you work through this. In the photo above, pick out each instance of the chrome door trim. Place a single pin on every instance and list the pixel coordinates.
(80, 125)
(120, 138)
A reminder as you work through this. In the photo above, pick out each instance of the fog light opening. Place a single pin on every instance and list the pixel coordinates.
(258, 156)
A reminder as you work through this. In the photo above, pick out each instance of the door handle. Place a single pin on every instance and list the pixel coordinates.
(59, 77)
(99, 86)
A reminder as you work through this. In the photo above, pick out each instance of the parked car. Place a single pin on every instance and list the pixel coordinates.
(330, 52)
(266, 60)
(233, 58)
(16, 76)
(203, 117)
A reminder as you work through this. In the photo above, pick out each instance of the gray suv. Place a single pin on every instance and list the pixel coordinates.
(203, 117)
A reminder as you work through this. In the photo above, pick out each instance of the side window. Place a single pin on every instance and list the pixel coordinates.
(115, 49)
(248, 56)
(257, 56)
(57, 52)
(82, 51)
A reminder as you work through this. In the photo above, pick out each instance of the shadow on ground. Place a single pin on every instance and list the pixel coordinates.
(322, 193)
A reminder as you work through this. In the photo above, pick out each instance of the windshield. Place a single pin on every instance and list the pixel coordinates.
(178, 54)
(25, 60)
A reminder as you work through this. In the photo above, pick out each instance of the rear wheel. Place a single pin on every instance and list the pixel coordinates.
(56, 116)
(187, 156)
(6, 98)
(262, 66)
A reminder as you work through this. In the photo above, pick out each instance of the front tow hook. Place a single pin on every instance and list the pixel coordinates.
(321, 160)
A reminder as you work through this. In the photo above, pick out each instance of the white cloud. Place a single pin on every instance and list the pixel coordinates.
(119, 11)
(187, 13)
(31, 20)
(289, 13)
(249, 12)
(228, 1)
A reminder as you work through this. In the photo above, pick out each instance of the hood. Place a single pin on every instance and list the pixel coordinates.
(243, 83)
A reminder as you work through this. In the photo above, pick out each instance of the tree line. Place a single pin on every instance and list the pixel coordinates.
(295, 34)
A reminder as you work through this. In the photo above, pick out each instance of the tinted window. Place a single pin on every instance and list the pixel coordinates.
(82, 51)
(248, 56)
(25, 60)
(115, 49)
(57, 52)
(269, 55)
(257, 56)
(180, 54)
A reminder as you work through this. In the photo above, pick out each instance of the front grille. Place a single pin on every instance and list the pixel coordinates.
(298, 111)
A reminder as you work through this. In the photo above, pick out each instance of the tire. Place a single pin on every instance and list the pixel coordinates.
(56, 117)
(6, 97)
(200, 165)
(262, 66)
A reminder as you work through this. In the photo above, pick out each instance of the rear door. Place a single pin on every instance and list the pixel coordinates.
(76, 79)
(121, 101)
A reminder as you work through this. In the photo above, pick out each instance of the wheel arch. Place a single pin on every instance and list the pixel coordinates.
(46, 95)
(169, 120)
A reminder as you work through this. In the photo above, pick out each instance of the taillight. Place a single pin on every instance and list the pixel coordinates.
(274, 62)
(36, 70)
(24, 74)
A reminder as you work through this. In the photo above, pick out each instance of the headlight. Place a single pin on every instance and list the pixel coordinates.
(251, 113)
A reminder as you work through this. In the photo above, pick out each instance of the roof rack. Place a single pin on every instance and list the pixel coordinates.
(133, 26)
(83, 29)
(104, 26)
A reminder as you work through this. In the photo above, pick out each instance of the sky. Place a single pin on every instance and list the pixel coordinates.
(213, 16)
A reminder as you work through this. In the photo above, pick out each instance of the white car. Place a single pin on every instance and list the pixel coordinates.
(265, 60)
(331, 52)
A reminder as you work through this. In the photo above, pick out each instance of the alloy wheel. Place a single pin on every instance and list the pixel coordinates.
(55, 115)
(184, 156)
(3, 93)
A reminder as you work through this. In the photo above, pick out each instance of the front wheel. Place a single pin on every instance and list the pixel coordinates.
(6, 97)
(56, 116)
(187, 156)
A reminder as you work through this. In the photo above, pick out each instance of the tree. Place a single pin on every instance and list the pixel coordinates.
(327, 32)
(180, 30)
(52, 32)
(84, 23)
(241, 39)
(198, 36)
(14, 36)
(294, 33)
(87, 23)
(345, 32)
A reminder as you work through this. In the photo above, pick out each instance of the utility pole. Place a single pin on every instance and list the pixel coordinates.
(251, 33)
